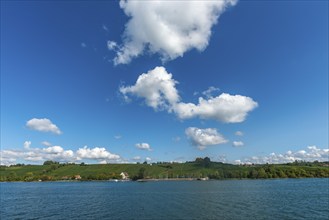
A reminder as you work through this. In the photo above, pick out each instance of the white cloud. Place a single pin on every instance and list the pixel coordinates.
(311, 153)
(157, 87)
(225, 108)
(167, 28)
(46, 143)
(239, 133)
(105, 28)
(136, 158)
(117, 137)
(53, 149)
(176, 139)
(83, 45)
(27, 144)
(44, 125)
(148, 159)
(237, 143)
(208, 93)
(97, 153)
(204, 137)
(111, 45)
(143, 146)
(36, 154)
(56, 153)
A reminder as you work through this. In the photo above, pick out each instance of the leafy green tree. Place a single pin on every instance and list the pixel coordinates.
(50, 162)
(54, 166)
(281, 174)
(141, 173)
(12, 176)
(206, 162)
(28, 176)
(253, 174)
(261, 174)
(199, 160)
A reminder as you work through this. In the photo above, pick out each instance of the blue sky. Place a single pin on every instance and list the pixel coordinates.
(69, 89)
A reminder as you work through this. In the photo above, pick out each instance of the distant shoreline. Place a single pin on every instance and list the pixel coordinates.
(173, 179)
(189, 171)
(157, 180)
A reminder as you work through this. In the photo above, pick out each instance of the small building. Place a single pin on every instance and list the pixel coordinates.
(124, 175)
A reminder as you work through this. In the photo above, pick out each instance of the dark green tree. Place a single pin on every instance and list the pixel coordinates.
(206, 162)
(141, 173)
(50, 162)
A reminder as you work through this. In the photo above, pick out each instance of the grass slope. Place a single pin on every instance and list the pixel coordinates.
(213, 170)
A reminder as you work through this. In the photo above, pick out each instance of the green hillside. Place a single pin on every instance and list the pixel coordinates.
(196, 169)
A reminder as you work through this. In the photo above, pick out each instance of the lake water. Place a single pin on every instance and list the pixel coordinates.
(229, 199)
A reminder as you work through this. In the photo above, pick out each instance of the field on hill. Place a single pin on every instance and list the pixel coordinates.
(201, 168)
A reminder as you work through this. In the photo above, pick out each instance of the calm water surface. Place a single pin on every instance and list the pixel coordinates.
(229, 199)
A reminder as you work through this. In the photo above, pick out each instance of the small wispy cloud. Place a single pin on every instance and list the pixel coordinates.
(143, 146)
(136, 158)
(27, 145)
(209, 92)
(105, 28)
(111, 45)
(239, 133)
(117, 137)
(237, 143)
(46, 143)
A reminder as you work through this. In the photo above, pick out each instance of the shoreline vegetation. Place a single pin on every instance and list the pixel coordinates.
(200, 169)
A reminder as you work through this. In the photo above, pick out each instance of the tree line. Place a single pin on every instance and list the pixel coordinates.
(199, 168)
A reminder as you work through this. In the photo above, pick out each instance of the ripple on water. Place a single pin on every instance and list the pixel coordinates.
(234, 199)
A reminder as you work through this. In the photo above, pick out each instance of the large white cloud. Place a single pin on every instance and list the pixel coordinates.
(225, 107)
(168, 28)
(43, 124)
(204, 137)
(311, 153)
(158, 89)
(143, 146)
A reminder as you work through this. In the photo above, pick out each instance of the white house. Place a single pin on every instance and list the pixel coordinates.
(124, 175)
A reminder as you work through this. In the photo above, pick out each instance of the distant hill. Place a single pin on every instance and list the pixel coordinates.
(200, 168)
